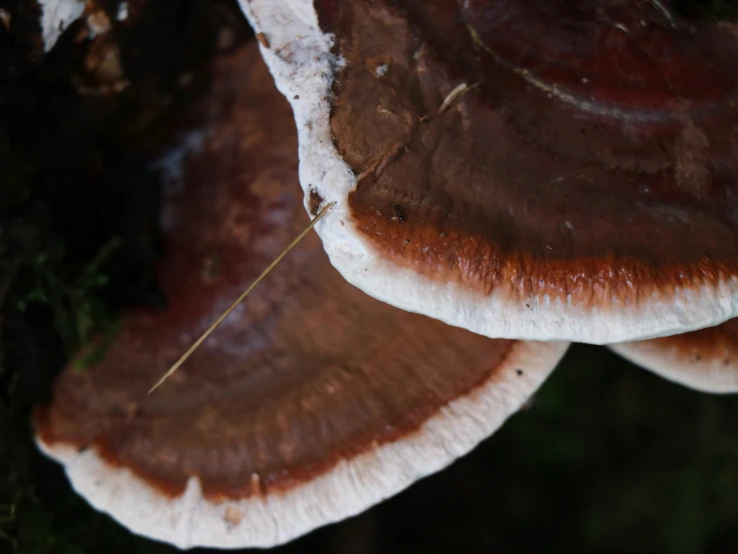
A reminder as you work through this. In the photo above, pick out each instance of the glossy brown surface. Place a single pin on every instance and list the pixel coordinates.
(307, 371)
(594, 153)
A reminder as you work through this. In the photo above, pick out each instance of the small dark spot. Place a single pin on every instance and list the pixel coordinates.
(296, 97)
(697, 357)
(726, 361)
(519, 372)
(527, 305)
(263, 40)
(399, 214)
(83, 449)
(314, 202)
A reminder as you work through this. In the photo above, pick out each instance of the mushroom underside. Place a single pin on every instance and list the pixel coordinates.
(705, 360)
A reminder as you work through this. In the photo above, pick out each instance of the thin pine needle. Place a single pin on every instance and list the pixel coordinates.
(240, 299)
(455, 94)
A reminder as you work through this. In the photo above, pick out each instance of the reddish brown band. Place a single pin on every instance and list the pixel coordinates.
(306, 372)
(593, 156)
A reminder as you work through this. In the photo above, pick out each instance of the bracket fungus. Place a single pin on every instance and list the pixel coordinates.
(541, 170)
(706, 360)
(312, 401)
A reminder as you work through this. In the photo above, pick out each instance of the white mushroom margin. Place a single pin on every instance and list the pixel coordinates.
(349, 488)
(57, 15)
(699, 371)
(300, 59)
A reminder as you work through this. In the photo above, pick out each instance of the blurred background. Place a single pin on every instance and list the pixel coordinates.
(606, 457)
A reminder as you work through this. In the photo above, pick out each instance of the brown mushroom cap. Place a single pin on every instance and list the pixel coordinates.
(540, 169)
(706, 360)
(310, 403)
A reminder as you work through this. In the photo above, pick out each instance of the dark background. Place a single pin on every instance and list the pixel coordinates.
(607, 458)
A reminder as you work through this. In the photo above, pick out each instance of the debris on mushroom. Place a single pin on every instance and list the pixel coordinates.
(705, 360)
(312, 402)
(565, 170)
(98, 23)
(103, 71)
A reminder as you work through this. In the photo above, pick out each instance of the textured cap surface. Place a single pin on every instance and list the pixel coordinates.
(310, 403)
(537, 170)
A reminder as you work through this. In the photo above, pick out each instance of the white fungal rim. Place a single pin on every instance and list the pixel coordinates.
(57, 15)
(299, 57)
(699, 371)
(350, 487)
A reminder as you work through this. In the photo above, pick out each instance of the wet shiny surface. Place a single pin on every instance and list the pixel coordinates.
(593, 156)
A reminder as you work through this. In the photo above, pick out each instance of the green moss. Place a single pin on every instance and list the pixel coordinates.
(73, 297)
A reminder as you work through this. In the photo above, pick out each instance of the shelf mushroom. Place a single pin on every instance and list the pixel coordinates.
(706, 360)
(543, 169)
(310, 403)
